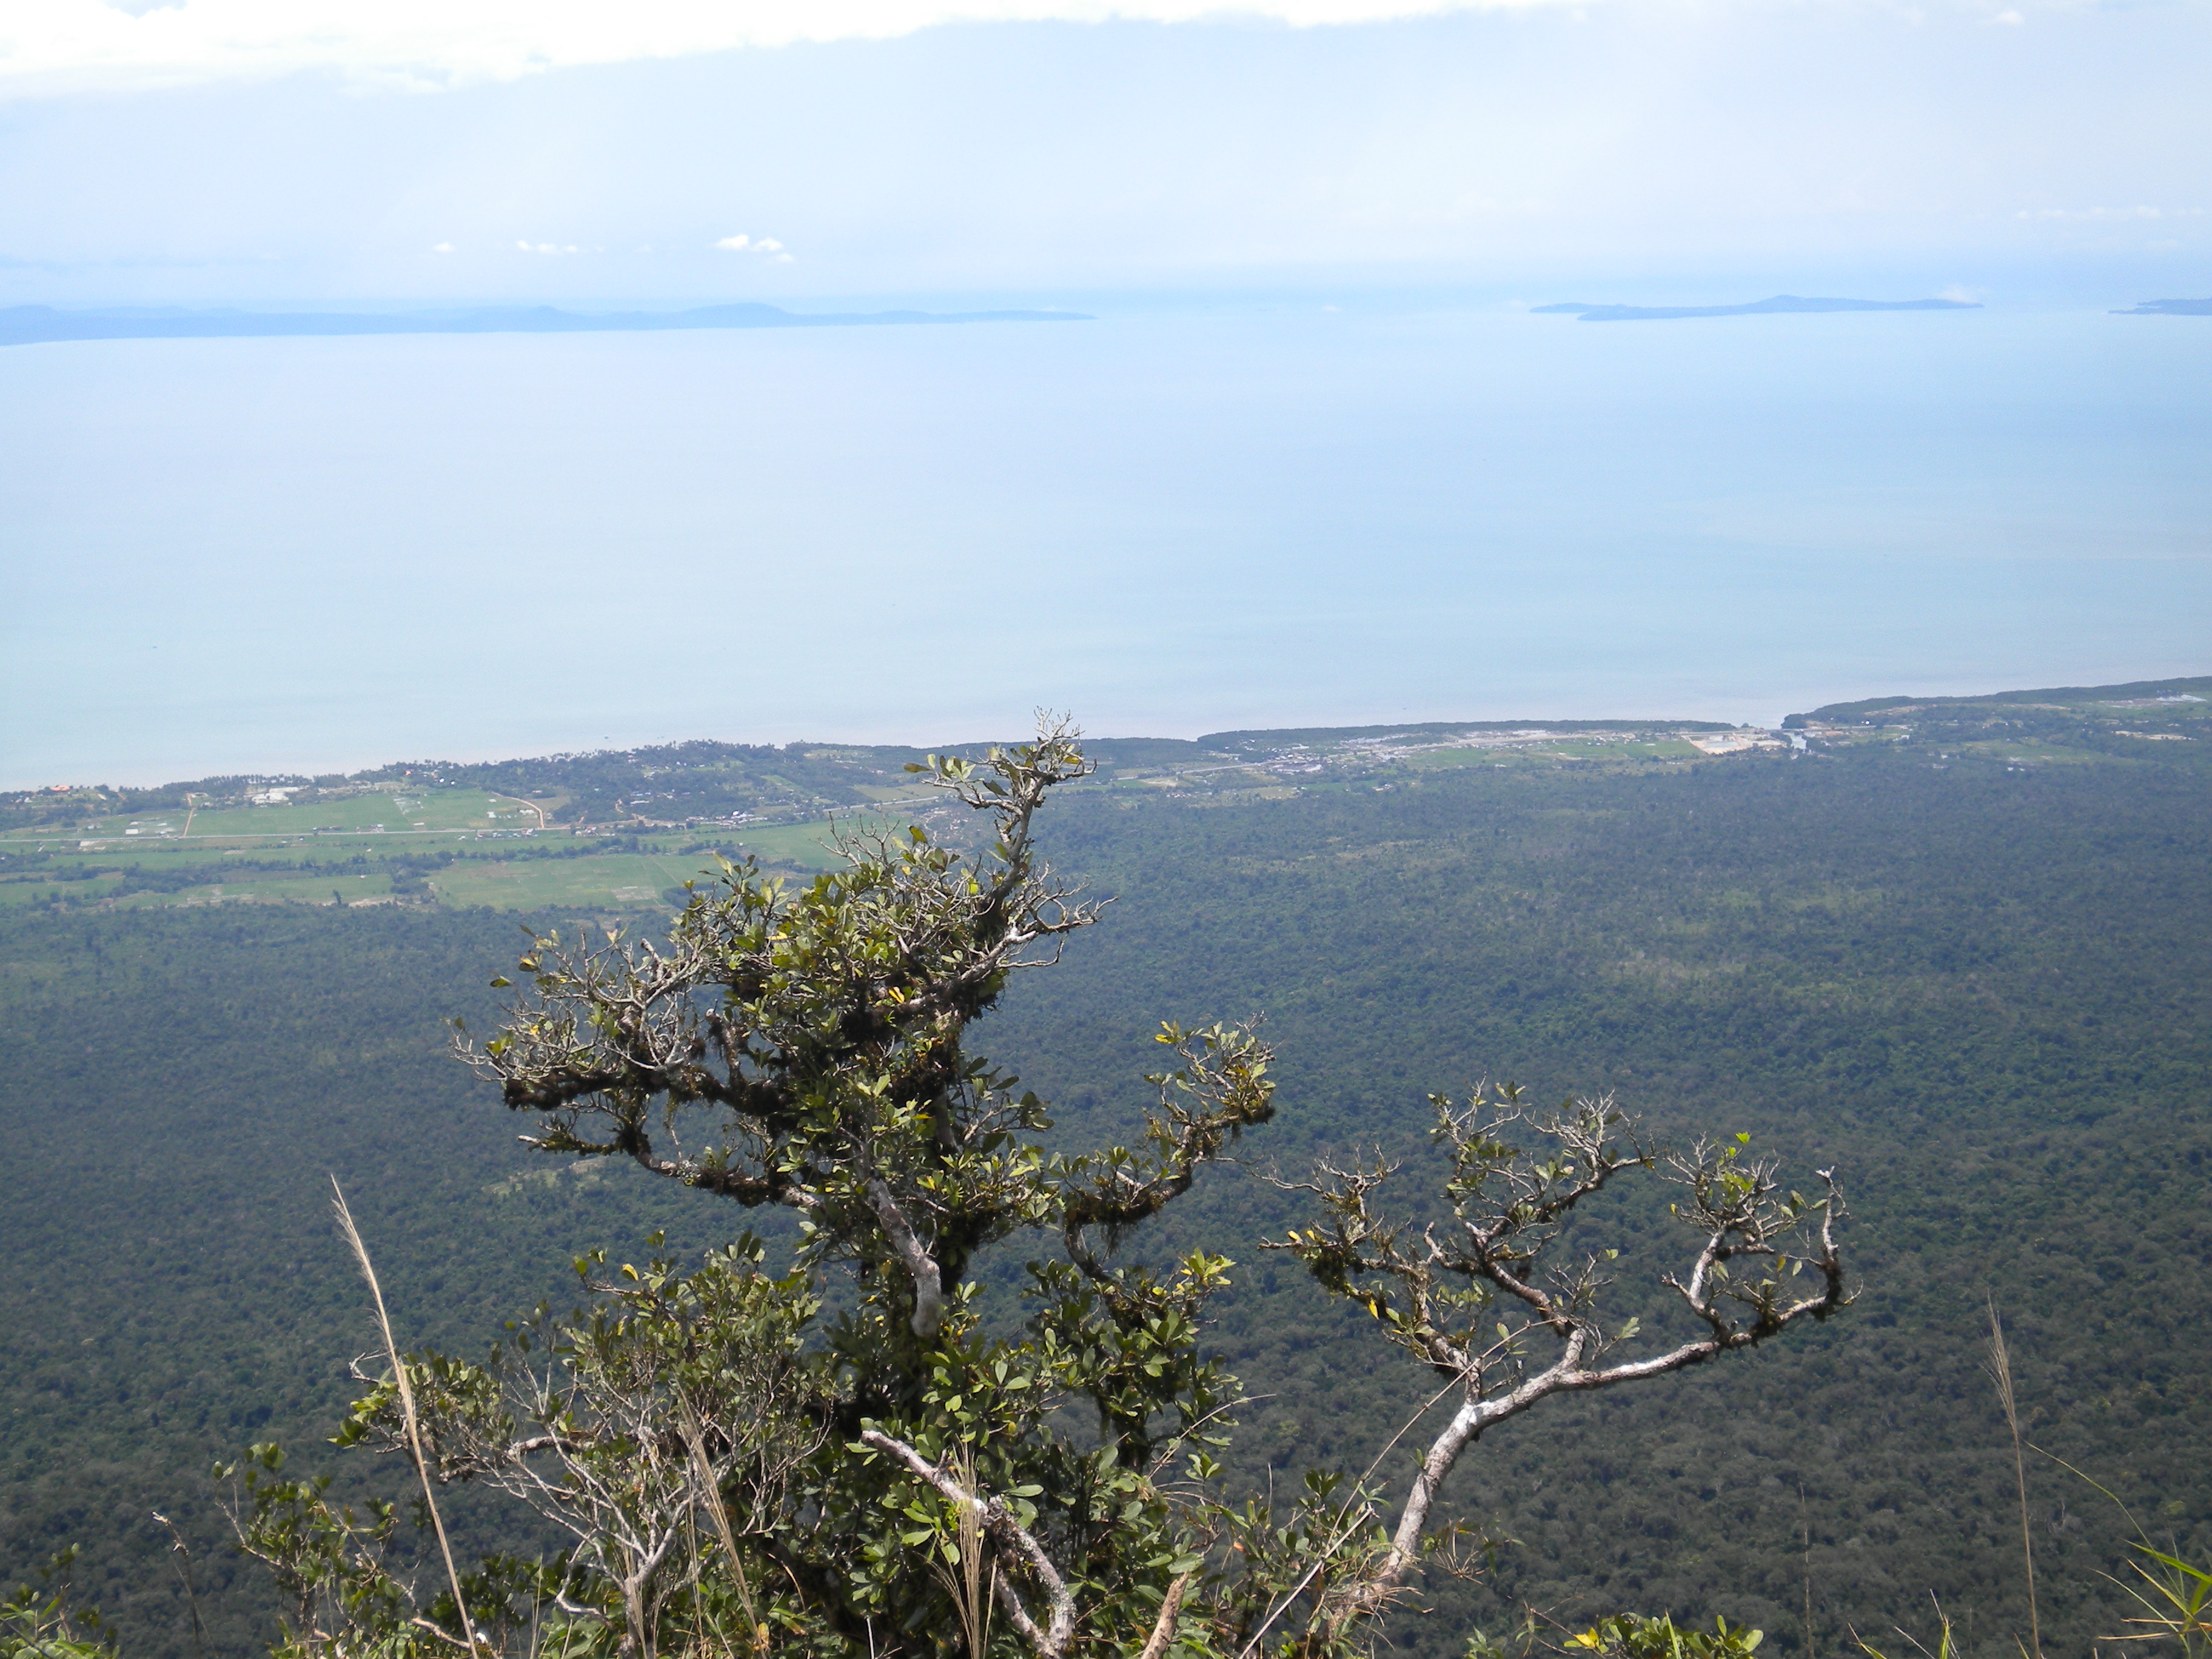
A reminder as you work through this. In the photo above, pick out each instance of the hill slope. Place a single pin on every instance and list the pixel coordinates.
(1967, 966)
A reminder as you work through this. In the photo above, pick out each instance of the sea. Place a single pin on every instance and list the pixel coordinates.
(304, 555)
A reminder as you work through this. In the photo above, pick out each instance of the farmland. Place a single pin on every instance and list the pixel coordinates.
(623, 830)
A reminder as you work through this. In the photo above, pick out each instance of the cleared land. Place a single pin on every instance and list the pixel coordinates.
(618, 832)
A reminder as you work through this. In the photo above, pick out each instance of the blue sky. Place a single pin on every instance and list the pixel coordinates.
(298, 150)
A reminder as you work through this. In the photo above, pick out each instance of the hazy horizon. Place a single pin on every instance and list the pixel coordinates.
(1313, 464)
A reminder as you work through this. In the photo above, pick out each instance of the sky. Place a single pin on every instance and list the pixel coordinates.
(419, 151)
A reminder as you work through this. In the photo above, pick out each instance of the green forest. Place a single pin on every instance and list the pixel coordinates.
(1955, 949)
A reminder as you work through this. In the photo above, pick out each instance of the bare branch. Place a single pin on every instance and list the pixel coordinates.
(921, 1267)
(1509, 1205)
(1163, 1627)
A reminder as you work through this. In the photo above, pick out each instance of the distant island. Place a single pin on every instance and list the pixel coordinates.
(2168, 308)
(35, 324)
(1780, 303)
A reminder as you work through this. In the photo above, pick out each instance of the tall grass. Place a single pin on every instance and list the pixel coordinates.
(757, 1633)
(970, 1593)
(1946, 1646)
(2182, 1608)
(1805, 1518)
(178, 1548)
(2000, 1367)
(406, 1406)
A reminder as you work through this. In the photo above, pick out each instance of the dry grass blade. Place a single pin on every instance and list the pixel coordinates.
(710, 1493)
(178, 1546)
(969, 1591)
(1805, 1515)
(1945, 1647)
(406, 1405)
(2001, 1373)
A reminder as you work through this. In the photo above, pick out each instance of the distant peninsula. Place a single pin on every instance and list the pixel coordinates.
(34, 324)
(2168, 308)
(1779, 304)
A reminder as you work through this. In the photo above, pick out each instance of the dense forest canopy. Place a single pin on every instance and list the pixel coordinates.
(1957, 950)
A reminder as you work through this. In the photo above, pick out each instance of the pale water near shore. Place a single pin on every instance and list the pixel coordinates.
(331, 552)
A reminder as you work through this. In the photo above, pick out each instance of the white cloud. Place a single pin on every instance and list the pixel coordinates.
(767, 244)
(443, 247)
(54, 46)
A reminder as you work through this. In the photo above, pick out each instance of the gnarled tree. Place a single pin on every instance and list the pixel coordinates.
(933, 1481)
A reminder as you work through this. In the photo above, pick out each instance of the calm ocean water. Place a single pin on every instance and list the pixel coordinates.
(276, 554)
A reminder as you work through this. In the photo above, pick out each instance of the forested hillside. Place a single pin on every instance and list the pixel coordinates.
(1961, 957)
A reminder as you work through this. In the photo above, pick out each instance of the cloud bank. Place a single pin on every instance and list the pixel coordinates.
(64, 45)
(1810, 138)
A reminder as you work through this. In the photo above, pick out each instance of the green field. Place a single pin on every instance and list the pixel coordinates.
(600, 832)
(793, 846)
(463, 867)
(422, 815)
(609, 881)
